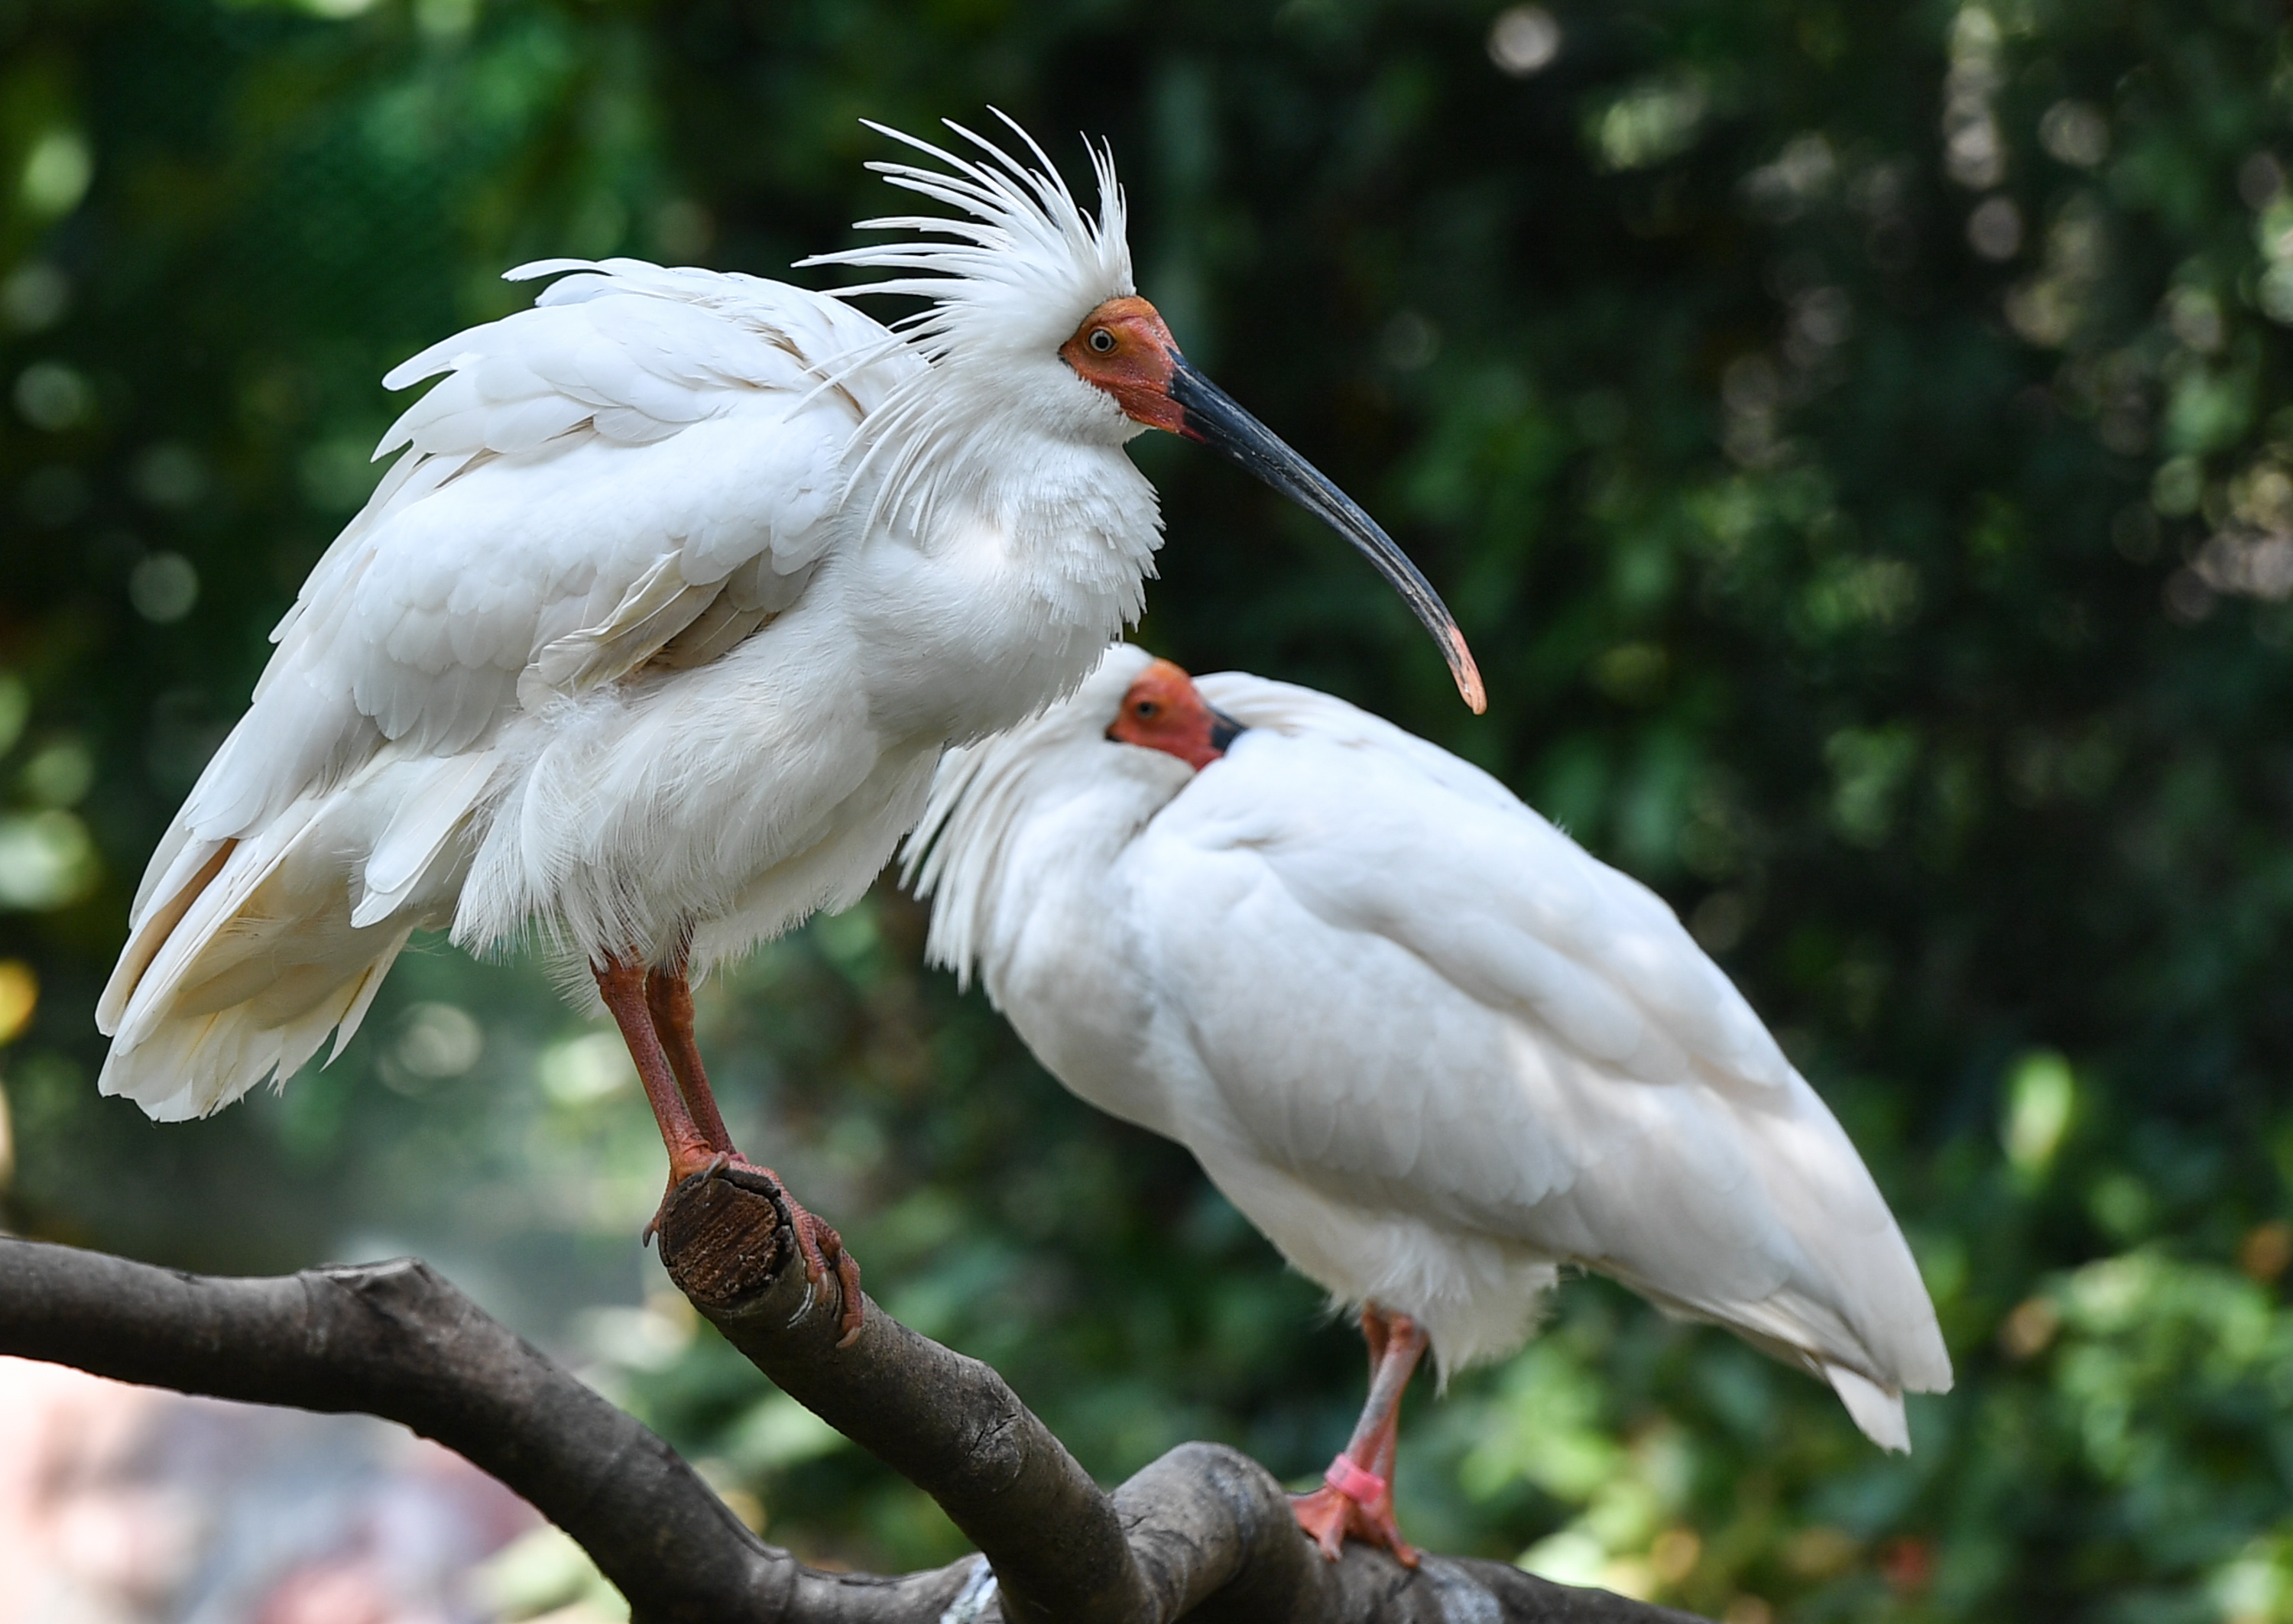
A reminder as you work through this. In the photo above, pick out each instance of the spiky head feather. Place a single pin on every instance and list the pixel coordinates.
(1023, 263)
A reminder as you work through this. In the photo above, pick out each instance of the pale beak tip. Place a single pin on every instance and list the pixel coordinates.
(1468, 673)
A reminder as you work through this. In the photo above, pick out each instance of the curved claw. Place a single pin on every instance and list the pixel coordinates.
(817, 1242)
(847, 1282)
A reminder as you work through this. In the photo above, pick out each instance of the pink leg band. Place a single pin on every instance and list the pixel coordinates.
(1357, 1484)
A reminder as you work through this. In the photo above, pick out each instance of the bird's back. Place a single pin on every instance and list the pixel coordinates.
(622, 483)
(1505, 1038)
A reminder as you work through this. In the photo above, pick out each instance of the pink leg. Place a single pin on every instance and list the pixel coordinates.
(623, 987)
(668, 1000)
(654, 1010)
(1356, 1499)
(668, 997)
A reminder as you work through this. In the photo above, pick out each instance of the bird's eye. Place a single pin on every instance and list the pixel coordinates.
(1144, 710)
(1102, 341)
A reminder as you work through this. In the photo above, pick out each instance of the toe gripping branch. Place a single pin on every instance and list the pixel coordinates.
(728, 1233)
(813, 1239)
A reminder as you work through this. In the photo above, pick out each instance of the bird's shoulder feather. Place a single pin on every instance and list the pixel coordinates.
(1376, 830)
(632, 475)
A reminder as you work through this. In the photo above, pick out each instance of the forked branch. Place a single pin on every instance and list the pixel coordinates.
(1205, 1532)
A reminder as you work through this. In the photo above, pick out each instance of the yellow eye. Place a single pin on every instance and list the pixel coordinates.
(1102, 341)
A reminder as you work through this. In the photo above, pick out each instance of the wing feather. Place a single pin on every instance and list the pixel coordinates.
(575, 491)
(571, 498)
(1487, 1029)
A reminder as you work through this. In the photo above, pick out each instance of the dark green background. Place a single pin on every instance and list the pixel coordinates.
(1854, 438)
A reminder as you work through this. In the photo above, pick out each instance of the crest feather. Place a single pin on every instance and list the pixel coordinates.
(1023, 263)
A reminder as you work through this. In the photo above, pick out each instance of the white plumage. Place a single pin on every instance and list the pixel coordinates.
(653, 634)
(1430, 1047)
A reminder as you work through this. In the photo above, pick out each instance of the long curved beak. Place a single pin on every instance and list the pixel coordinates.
(1212, 418)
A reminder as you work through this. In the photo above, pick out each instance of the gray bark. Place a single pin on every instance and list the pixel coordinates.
(1202, 1533)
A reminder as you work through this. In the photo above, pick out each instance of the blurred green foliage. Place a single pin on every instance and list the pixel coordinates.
(1857, 439)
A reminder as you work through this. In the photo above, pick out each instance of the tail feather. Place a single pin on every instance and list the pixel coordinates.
(253, 999)
(247, 953)
(160, 872)
(354, 1017)
(1878, 1410)
(153, 924)
(1801, 1330)
(200, 942)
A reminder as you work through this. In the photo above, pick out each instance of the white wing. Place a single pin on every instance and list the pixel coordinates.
(1482, 1026)
(636, 474)
(1504, 906)
(635, 470)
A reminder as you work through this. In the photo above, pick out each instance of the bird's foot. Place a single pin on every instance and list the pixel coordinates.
(816, 1242)
(1353, 1503)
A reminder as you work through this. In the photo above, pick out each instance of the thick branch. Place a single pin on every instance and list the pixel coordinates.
(1212, 1531)
(946, 1423)
(1203, 1528)
(398, 1341)
(1205, 1532)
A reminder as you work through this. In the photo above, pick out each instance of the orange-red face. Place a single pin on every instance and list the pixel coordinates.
(1123, 348)
(1165, 711)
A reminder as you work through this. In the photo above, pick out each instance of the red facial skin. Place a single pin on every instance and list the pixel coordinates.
(1123, 348)
(1162, 711)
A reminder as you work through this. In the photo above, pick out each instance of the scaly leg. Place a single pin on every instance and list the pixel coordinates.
(669, 1002)
(1356, 1499)
(623, 987)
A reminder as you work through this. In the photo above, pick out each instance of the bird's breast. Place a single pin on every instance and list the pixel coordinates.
(978, 631)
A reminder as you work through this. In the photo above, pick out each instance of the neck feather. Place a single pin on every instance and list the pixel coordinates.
(1051, 800)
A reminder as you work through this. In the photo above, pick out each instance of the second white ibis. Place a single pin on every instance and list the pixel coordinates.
(1430, 1047)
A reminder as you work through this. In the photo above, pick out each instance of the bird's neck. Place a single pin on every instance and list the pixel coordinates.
(1031, 859)
(1042, 912)
(999, 576)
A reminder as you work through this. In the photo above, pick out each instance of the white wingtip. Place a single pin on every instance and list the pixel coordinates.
(1878, 1411)
(545, 267)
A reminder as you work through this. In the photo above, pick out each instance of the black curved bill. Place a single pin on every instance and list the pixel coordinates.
(1224, 729)
(1213, 418)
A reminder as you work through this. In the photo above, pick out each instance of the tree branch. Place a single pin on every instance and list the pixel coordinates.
(397, 1340)
(1205, 1532)
(946, 1423)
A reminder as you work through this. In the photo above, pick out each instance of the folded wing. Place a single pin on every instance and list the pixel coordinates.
(635, 476)
(1490, 1029)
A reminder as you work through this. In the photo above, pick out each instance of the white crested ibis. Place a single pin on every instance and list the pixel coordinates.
(1431, 1048)
(649, 640)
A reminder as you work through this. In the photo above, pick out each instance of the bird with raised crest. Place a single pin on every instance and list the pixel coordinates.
(649, 640)
(1435, 1051)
